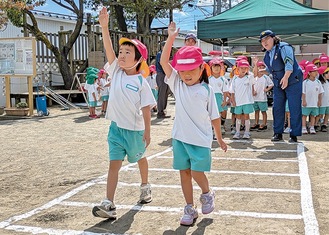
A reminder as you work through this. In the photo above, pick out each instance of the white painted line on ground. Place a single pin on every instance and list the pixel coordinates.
(258, 150)
(225, 172)
(242, 159)
(58, 200)
(180, 210)
(310, 221)
(255, 141)
(243, 189)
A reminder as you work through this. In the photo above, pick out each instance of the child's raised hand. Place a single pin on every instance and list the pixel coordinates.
(172, 31)
(103, 17)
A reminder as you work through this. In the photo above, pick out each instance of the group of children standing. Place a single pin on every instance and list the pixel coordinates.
(200, 109)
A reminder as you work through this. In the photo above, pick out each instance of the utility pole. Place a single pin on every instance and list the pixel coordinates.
(217, 7)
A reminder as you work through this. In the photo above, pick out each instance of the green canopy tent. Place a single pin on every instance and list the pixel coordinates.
(242, 24)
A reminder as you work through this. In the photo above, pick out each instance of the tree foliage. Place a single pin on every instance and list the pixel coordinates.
(140, 12)
(16, 10)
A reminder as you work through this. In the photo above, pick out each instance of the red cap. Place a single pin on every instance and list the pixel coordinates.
(215, 61)
(304, 63)
(152, 68)
(324, 58)
(323, 69)
(188, 58)
(310, 68)
(242, 57)
(144, 69)
(243, 64)
(315, 61)
(260, 63)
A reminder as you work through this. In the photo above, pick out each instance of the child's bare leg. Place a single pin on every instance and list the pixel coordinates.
(312, 120)
(112, 178)
(257, 117)
(264, 118)
(303, 121)
(186, 183)
(288, 119)
(201, 179)
(143, 170)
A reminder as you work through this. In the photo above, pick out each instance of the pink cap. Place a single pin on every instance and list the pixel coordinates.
(310, 68)
(152, 68)
(188, 58)
(243, 64)
(304, 63)
(260, 63)
(144, 68)
(323, 69)
(140, 46)
(215, 61)
(243, 57)
(324, 58)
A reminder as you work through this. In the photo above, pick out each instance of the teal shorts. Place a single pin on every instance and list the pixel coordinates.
(92, 103)
(324, 110)
(155, 93)
(261, 105)
(287, 107)
(244, 109)
(306, 111)
(105, 98)
(124, 142)
(188, 156)
(219, 101)
(232, 110)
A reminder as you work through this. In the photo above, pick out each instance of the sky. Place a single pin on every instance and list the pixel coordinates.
(185, 19)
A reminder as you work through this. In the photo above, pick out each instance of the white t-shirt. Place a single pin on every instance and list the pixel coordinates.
(219, 85)
(242, 89)
(92, 88)
(261, 83)
(104, 91)
(152, 81)
(128, 94)
(195, 108)
(325, 94)
(312, 89)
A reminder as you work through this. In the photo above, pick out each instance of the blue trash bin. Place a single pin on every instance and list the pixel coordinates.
(41, 103)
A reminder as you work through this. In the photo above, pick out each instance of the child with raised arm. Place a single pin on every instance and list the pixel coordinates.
(196, 112)
(129, 109)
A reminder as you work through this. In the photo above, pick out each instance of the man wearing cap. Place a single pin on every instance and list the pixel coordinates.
(190, 39)
(163, 88)
(287, 78)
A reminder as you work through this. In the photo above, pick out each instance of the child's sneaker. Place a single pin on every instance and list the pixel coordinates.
(105, 210)
(312, 130)
(287, 130)
(236, 136)
(323, 128)
(304, 131)
(146, 196)
(190, 215)
(233, 131)
(207, 201)
(246, 135)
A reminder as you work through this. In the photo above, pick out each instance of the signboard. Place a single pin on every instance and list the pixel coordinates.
(18, 56)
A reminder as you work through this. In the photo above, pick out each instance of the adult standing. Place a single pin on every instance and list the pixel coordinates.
(190, 39)
(287, 78)
(163, 88)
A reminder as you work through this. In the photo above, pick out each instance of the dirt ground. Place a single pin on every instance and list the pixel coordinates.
(53, 170)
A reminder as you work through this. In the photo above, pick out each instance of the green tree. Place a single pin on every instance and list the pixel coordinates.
(18, 10)
(143, 12)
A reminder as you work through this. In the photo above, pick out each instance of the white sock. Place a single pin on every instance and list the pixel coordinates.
(247, 125)
(238, 125)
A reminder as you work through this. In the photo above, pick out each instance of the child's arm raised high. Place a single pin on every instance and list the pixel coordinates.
(165, 56)
(104, 22)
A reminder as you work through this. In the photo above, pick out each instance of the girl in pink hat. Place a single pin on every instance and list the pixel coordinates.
(311, 97)
(129, 109)
(324, 108)
(196, 114)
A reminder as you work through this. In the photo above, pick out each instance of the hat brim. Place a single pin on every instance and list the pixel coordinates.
(144, 69)
(123, 40)
(186, 67)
